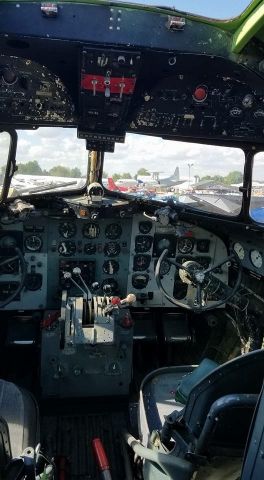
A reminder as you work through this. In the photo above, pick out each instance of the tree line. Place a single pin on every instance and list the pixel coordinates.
(33, 168)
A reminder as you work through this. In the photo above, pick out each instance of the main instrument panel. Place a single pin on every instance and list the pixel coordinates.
(114, 256)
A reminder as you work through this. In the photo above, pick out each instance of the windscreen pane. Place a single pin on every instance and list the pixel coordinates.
(257, 194)
(49, 159)
(202, 176)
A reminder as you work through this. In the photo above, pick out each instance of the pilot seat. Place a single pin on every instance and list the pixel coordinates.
(183, 431)
(19, 423)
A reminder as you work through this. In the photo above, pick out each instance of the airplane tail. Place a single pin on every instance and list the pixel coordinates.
(112, 186)
(176, 174)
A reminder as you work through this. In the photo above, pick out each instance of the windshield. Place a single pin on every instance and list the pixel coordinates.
(203, 176)
(217, 9)
(49, 159)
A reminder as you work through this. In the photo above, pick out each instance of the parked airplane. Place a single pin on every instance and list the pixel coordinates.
(113, 187)
(154, 180)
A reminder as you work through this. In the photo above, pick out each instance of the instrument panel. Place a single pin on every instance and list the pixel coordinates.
(113, 256)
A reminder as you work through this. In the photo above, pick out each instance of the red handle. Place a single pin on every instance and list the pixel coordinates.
(100, 454)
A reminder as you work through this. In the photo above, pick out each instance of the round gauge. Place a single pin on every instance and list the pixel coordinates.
(33, 243)
(91, 230)
(112, 249)
(89, 248)
(67, 229)
(141, 262)
(256, 258)
(140, 281)
(67, 248)
(110, 267)
(185, 245)
(113, 231)
(144, 227)
(112, 284)
(164, 268)
(239, 250)
(143, 243)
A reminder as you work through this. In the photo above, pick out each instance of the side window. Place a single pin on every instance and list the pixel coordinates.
(257, 195)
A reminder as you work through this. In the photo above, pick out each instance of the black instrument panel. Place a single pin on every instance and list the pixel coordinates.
(116, 91)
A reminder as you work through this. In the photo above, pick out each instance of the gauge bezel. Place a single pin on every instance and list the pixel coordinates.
(148, 238)
(184, 239)
(72, 225)
(136, 267)
(111, 254)
(240, 246)
(37, 249)
(145, 223)
(69, 254)
(253, 262)
(87, 235)
(113, 237)
(115, 263)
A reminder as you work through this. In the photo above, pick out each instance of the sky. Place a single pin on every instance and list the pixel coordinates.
(219, 9)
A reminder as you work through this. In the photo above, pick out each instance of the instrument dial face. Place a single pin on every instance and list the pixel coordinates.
(33, 243)
(239, 249)
(112, 249)
(143, 243)
(164, 268)
(67, 229)
(89, 248)
(185, 245)
(67, 248)
(256, 258)
(145, 227)
(203, 245)
(113, 231)
(110, 267)
(112, 284)
(91, 230)
(141, 262)
(140, 281)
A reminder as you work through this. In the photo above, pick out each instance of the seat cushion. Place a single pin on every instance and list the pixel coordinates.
(157, 398)
(19, 409)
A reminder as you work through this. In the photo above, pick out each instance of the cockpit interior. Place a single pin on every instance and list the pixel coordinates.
(131, 303)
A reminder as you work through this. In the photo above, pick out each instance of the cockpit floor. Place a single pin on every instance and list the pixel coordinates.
(69, 437)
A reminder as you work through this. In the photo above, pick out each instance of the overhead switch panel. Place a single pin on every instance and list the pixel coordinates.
(107, 83)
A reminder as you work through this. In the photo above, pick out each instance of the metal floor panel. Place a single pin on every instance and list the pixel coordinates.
(71, 436)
